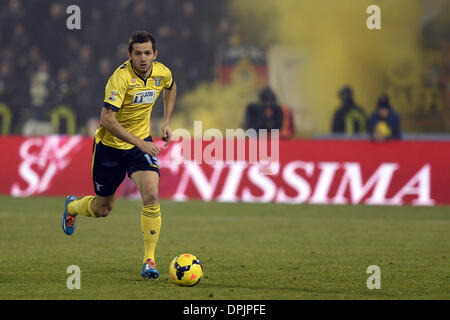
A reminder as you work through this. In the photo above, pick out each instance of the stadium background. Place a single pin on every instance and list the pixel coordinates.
(221, 54)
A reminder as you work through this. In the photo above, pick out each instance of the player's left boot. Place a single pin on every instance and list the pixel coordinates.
(149, 270)
(68, 221)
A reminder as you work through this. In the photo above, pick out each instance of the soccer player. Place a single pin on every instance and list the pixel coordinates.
(123, 143)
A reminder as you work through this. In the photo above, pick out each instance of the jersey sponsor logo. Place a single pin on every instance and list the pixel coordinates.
(157, 80)
(147, 96)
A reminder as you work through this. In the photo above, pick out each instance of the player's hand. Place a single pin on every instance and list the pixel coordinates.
(166, 134)
(378, 135)
(150, 148)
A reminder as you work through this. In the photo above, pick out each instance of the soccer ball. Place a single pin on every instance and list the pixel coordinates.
(186, 270)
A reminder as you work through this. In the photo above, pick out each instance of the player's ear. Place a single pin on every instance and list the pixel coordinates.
(129, 55)
(156, 53)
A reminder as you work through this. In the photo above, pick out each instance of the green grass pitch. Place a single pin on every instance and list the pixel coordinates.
(249, 251)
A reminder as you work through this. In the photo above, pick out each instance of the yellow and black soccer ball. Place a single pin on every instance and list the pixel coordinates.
(186, 270)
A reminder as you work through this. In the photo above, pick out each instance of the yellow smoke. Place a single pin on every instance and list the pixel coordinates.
(216, 105)
(339, 49)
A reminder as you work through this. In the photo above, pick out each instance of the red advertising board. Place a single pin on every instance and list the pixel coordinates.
(308, 171)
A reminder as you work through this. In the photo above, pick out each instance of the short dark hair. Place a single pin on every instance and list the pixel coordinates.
(141, 37)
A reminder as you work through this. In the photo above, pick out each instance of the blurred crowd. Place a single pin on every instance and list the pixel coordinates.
(43, 64)
(350, 119)
(268, 114)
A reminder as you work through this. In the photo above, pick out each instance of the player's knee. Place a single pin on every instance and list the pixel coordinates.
(150, 197)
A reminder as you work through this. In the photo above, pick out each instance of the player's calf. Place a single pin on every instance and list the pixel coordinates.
(102, 212)
(102, 206)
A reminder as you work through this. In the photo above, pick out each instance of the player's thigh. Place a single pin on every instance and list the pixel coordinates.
(147, 184)
(108, 171)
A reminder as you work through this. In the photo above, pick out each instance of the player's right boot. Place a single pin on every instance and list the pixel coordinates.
(149, 270)
(68, 221)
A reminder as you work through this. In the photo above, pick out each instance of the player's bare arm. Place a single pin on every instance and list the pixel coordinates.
(169, 96)
(109, 121)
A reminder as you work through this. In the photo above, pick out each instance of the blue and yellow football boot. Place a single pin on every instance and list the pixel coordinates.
(149, 270)
(68, 221)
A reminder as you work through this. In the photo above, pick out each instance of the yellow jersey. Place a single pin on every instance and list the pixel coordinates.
(133, 97)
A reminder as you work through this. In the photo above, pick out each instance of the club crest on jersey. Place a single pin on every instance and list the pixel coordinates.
(157, 80)
(147, 96)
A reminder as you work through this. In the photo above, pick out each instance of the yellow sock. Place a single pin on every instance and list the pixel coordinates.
(150, 226)
(82, 206)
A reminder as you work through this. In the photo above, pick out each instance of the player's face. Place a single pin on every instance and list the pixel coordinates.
(383, 113)
(142, 57)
